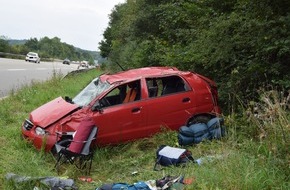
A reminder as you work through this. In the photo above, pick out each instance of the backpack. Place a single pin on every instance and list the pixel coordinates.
(166, 156)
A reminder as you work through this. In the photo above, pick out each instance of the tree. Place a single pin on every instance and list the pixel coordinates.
(243, 45)
(32, 44)
(4, 45)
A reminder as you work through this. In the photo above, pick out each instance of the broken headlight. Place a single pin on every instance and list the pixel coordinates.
(40, 131)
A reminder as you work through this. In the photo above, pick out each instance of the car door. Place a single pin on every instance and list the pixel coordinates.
(119, 122)
(170, 106)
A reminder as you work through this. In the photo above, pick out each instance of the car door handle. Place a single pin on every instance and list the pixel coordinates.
(186, 99)
(135, 110)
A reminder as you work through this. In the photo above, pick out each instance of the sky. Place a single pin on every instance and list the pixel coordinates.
(80, 23)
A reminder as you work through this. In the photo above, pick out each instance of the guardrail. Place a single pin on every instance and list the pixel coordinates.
(11, 55)
(20, 56)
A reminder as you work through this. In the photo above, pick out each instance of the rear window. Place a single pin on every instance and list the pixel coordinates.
(32, 54)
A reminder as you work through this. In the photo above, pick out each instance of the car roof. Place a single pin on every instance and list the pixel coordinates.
(145, 72)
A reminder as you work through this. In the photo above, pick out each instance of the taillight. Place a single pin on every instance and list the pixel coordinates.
(214, 92)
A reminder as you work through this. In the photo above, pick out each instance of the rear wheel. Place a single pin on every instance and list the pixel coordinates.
(199, 119)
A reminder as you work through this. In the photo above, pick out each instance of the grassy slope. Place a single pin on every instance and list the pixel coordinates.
(241, 163)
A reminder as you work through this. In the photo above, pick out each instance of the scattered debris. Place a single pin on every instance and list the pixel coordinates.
(49, 182)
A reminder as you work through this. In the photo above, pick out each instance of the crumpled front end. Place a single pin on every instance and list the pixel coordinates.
(38, 136)
(47, 137)
(49, 120)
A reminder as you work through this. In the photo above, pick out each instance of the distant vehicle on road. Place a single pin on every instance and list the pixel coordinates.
(31, 56)
(66, 61)
(84, 64)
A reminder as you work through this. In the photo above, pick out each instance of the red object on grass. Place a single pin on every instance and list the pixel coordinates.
(86, 179)
(81, 135)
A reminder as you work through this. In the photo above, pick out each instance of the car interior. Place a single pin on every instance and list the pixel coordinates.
(132, 91)
(165, 85)
(122, 94)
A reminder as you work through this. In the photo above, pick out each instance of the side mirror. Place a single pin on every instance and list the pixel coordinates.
(97, 107)
(68, 99)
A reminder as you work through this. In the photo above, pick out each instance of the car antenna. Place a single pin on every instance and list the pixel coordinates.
(120, 66)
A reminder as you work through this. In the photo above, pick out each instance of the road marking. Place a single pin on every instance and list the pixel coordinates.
(39, 69)
(16, 69)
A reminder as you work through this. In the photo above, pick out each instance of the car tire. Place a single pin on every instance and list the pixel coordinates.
(199, 119)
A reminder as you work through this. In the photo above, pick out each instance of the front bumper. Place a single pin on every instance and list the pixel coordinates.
(33, 59)
(40, 142)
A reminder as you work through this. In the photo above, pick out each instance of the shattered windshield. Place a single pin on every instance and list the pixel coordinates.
(95, 88)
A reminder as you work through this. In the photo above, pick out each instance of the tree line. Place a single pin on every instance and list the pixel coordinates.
(47, 48)
(243, 45)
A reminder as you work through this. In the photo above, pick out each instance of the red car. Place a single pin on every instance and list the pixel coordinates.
(126, 106)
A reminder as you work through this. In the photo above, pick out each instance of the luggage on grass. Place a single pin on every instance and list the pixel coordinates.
(195, 133)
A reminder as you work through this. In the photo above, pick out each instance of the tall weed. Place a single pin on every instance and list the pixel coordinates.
(270, 116)
(266, 126)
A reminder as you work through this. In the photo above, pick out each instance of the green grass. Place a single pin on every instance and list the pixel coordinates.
(253, 155)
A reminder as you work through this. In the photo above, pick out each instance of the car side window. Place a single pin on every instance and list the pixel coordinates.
(124, 93)
(165, 85)
(154, 86)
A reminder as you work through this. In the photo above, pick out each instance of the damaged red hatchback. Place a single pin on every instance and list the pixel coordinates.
(126, 106)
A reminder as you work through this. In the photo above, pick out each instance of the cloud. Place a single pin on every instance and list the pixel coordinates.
(80, 23)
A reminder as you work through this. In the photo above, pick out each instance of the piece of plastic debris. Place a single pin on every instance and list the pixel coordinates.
(134, 173)
(86, 179)
(188, 181)
(51, 181)
(202, 160)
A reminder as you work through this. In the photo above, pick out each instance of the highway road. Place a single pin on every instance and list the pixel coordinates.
(15, 73)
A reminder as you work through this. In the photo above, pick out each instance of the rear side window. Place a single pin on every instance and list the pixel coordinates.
(163, 86)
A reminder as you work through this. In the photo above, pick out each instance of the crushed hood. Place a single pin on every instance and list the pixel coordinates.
(52, 111)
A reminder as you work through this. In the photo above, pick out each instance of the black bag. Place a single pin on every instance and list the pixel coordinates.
(166, 156)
